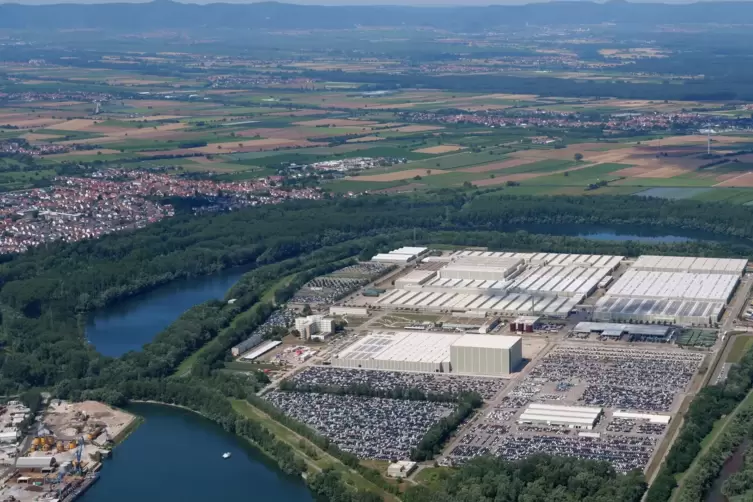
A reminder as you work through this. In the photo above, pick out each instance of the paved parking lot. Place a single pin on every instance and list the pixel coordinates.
(615, 377)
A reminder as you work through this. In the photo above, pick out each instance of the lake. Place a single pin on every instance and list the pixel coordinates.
(135, 321)
(176, 455)
(626, 233)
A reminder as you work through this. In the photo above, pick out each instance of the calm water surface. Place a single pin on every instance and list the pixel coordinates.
(129, 324)
(626, 233)
(176, 455)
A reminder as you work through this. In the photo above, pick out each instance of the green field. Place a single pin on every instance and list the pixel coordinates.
(741, 344)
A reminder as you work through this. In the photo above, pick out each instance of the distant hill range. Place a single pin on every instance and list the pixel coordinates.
(164, 14)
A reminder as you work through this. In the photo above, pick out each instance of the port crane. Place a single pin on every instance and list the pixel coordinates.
(79, 451)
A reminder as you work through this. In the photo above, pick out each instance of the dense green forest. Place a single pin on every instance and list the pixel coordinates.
(709, 405)
(536, 479)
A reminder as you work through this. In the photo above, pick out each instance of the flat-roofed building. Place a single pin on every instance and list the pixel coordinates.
(399, 351)
(574, 417)
(492, 355)
(690, 264)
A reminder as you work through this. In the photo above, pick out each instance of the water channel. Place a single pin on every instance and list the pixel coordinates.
(176, 455)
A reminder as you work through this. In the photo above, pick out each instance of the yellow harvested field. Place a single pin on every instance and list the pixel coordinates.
(80, 153)
(133, 81)
(241, 144)
(31, 123)
(156, 117)
(127, 133)
(498, 180)
(55, 104)
(365, 139)
(75, 125)
(418, 128)
(33, 136)
(396, 176)
(440, 149)
(695, 139)
(334, 122)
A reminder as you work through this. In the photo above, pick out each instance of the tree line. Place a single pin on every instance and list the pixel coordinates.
(710, 404)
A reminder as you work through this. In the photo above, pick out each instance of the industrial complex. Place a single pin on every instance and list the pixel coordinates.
(575, 354)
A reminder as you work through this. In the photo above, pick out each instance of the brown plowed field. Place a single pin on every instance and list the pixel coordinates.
(741, 180)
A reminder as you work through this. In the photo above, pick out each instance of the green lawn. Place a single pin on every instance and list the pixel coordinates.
(739, 347)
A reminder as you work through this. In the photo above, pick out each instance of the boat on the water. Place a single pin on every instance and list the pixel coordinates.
(226, 454)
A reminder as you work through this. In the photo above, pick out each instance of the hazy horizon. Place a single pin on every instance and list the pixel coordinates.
(417, 3)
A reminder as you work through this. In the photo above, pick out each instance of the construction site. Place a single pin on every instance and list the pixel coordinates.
(60, 458)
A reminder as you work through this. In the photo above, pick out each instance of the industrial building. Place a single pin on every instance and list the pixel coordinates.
(401, 468)
(574, 417)
(247, 344)
(399, 351)
(643, 332)
(401, 255)
(449, 301)
(36, 463)
(497, 283)
(415, 278)
(490, 355)
(314, 327)
(261, 350)
(481, 268)
(669, 289)
(525, 324)
(654, 419)
(690, 264)
(554, 259)
(433, 353)
(346, 311)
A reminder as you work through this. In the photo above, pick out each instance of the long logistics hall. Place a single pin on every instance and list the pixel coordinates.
(503, 283)
(489, 355)
(679, 290)
(672, 289)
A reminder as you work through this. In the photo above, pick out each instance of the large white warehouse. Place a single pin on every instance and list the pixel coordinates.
(690, 264)
(574, 417)
(491, 355)
(497, 283)
(671, 289)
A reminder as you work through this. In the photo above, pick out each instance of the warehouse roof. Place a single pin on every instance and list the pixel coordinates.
(690, 263)
(401, 346)
(633, 329)
(655, 419)
(34, 462)
(578, 415)
(487, 341)
(674, 285)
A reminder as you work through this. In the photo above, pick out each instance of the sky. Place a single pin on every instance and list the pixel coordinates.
(426, 3)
